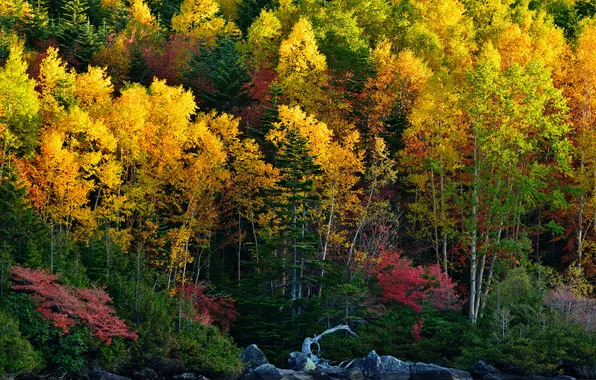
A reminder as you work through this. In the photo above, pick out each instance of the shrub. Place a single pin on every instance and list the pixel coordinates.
(16, 353)
(204, 349)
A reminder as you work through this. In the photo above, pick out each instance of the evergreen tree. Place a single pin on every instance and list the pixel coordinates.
(74, 14)
(19, 224)
(248, 10)
(291, 201)
(139, 71)
(219, 77)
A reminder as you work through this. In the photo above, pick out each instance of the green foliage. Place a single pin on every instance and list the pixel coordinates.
(204, 349)
(16, 353)
(219, 77)
(519, 335)
(57, 351)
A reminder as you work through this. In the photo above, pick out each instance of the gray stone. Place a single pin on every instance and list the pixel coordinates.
(98, 374)
(269, 372)
(423, 371)
(493, 376)
(394, 369)
(481, 368)
(252, 357)
(189, 376)
(299, 361)
(324, 371)
(370, 365)
(146, 374)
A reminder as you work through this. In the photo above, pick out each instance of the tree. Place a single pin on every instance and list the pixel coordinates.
(16, 354)
(302, 68)
(219, 77)
(293, 241)
(19, 105)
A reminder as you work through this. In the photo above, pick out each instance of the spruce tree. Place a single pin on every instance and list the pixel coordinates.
(291, 201)
(139, 71)
(219, 77)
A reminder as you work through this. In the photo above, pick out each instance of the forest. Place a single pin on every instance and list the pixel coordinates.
(180, 179)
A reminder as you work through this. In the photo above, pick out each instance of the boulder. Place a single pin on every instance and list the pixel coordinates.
(481, 368)
(394, 369)
(299, 361)
(324, 371)
(493, 376)
(423, 371)
(269, 372)
(146, 374)
(370, 365)
(98, 374)
(252, 357)
(189, 376)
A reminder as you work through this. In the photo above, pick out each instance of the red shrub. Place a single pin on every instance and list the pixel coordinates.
(411, 286)
(210, 310)
(65, 306)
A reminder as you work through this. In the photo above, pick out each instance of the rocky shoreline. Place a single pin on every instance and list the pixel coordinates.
(255, 366)
(373, 367)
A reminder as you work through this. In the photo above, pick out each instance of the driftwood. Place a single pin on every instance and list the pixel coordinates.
(315, 340)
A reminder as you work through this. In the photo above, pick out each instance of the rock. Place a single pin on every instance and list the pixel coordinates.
(423, 371)
(299, 361)
(493, 376)
(189, 376)
(269, 372)
(481, 368)
(146, 374)
(332, 372)
(370, 365)
(252, 357)
(165, 367)
(394, 369)
(98, 374)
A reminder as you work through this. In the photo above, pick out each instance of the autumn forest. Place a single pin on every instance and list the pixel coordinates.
(180, 179)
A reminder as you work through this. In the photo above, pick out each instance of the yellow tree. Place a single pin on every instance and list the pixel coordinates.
(19, 104)
(434, 146)
(397, 82)
(302, 68)
(199, 20)
(581, 92)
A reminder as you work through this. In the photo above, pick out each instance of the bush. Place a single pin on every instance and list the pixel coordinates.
(16, 353)
(204, 349)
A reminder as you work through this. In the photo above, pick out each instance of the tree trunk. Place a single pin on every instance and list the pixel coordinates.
(326, 243)
(473, 243)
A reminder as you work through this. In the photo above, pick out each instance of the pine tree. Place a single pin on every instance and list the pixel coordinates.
(139, 71)
(291, 201)
(219, 77)
(74, 14)
(248, 10)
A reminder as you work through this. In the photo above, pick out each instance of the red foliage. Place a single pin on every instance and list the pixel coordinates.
(416, 329)
(441, 289)
(210, 310)
(411, 286)
(401, 282)
(65, 306)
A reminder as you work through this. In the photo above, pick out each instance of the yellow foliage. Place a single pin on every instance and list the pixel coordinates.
(94, 89)
(116, 57)
(198, 19)
(141, 14)
(263, 40)
(302, 68)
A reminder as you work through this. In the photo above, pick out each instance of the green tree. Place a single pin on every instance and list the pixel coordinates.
(219, 77)
(16, 353)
